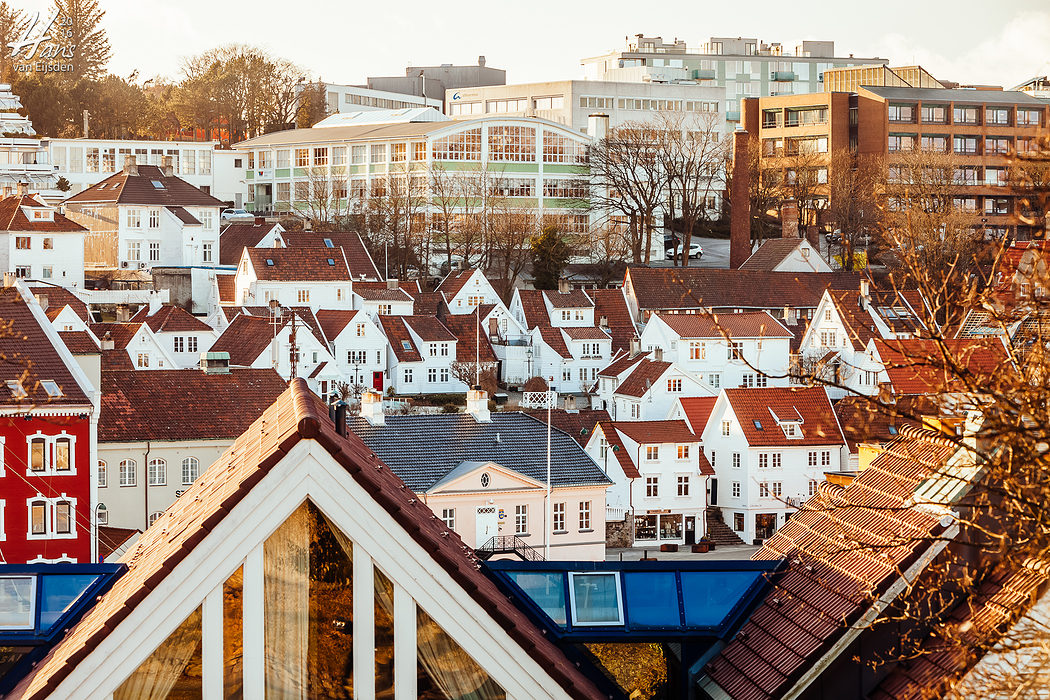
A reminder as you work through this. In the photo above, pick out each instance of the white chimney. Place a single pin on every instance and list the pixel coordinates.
(478, 405)
(865, 294)
(372, 408)
(154, 303)
(106, 342)
(130, 165)
(790, 319)
(598, 126)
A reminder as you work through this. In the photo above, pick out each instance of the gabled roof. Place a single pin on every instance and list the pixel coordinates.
(236, 237)
(578, 424)
(454, 282)
(765, 406)
(333, 321)
(227, 285)
(379, 291)
(123, 188)
(749, 324)
(697, 411)
(533, 307)
(470, 342)
(866, 420)
(617, 448)
(120, 333)
(649, 432)
(427, 302)
(574, 299)
(30, 357)
(422, 449)
(305, 264)
(400, 339)
(611, 304)
(297, 415)
(552, 336)
(170, 319)
(184, 216)
(919, 365)
(361, 264)
(621, 364)
(643, 377)
(183, 404)
(585, 333)
(833, 580)
(80, 342)
(659, 288)
(13, 218)
(771, 253)
(429, 329)
(57, 299)
(246, 338)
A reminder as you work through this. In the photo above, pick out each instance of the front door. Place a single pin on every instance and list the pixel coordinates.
(714, 491)
(486, 525)
(377, 381)
(690, 530)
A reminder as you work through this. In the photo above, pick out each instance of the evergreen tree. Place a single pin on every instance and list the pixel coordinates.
(549, 256)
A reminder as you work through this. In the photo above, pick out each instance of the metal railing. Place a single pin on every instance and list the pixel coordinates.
(509, 544)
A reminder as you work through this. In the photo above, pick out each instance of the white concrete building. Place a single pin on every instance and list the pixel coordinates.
(359, 347)
(86, 162)
(182, 335)
(660, 479)
(37, 242)
(643, 389)
(770, 449)
(786, 255)
(144, 217)
(127, 345)
(360, 98)
(316, 277)
(750, 349)
(421, 353)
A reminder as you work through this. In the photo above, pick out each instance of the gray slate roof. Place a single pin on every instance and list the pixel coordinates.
(991, 97)
(423, 450)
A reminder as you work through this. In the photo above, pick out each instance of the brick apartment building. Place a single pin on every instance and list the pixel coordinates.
(979, 127)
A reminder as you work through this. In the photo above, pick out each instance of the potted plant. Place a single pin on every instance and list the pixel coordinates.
(702, 547)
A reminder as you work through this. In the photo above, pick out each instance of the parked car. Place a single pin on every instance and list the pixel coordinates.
(695, 251)
(236, 215)
(832, 237)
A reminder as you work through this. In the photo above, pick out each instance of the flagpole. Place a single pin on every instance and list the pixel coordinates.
(548, 515)
(477, 351)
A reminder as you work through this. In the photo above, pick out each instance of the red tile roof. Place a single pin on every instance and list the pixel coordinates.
(59, 298)
(645, 374)
(110, 539)
(13, 218)
(578, 424)
(647, 432)
(139, 189)
(362, 266)
(611, 304)
(246, 338)
(771, 253)
(378, 291)
(170, 319)
(920, 365)
(534, 308)
(429, 329)
(120, 333)
(465, 328)
(184, 216)
(621, 364)
(552, 336)
(617, 448)
(236, 237)
(585, 333)
(867, 420)
(183, 404)
(661, 288)
(297, 415)
(574, 299)
(306, 264)
(227, 288)
(80, 342)
(750, 324)
(427, 302)
(333, 321)
(810, 404)
(30, 357)
(697, 411)
(454, 282)
(848, 545)
(398, 336)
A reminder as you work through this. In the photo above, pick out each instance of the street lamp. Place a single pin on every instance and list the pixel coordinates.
(96, 520)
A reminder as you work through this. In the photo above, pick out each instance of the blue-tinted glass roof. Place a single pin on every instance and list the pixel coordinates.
(636, 600)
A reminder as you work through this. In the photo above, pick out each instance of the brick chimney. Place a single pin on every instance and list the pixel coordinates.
(813, 236)
(789, 219)
(22, 189)
(166, 167)
(740, 203)
(131, 166)
(123, 313)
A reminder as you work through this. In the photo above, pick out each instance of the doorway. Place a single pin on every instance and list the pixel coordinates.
(486, 525)
(690, 530)
(765, 525)
(377, 381)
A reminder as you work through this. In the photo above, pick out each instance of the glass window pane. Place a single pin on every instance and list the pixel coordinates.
(547, 590)
(445, 670)
(652, 599)
(233, 635)
(384, 635)
(596, 599)
(173, 670)
(62, 455)
(16, 602)
(710, 596)
(37, 461)
(60, 592)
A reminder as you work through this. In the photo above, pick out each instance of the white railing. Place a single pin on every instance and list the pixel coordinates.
(616, 513)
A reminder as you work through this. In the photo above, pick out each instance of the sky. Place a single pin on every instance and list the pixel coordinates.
(968, 41)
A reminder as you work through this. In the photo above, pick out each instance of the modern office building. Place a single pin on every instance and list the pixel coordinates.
(979, 128)
(571, 102)
(359, 98)
(433, 81)
(849, 79)
(744, 67)
(1038, 86)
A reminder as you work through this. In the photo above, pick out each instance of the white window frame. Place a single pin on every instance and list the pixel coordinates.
(50, 442)
(572, 598)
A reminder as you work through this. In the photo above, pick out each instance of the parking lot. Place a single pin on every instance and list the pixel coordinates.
(716, 254)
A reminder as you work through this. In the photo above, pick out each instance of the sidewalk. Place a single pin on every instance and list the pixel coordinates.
(683, 554)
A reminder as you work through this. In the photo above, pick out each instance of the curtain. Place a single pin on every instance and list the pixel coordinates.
(156, 677)
(286, 567)
(450, 668)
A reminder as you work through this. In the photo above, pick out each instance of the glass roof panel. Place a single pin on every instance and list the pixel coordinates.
(59, 593)
(652, 599)
(547, 590)
(710, 596)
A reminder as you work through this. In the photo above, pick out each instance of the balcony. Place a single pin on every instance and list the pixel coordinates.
(704, 74)
(782, 76)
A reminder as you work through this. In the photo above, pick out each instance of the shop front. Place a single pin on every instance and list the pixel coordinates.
(659, 527)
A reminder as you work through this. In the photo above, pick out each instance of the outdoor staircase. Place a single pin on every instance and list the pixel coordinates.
(720, 533)
(508, 544)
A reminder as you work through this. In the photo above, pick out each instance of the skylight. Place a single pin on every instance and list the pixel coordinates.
(269, 261)
(758, 424)
(328, 243)
(406, 345)
(157, 184)
(331, 262)
(16, 389)
(52, 388)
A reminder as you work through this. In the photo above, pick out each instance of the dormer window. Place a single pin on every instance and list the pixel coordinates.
(792, 430)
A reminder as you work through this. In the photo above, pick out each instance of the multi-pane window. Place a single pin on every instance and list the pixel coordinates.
(302, 157)
(725, 427)
(763, 460)
(697, 351)
(674, 386)
(448, 516)
(934, 114)
(38, 517)
(432, 375)
(101, 474)
(565, 189)
(900, 142)
(512, 143)
(154, 251)
(154, 218)
(932, 143)
(521, 520)
(735, 350)
(652, 452)
(652, 486)
(157, 472)
(683, 486)
(736, 460)
(561, 149)
(320, 156)
(377, 153)
(142, 360)
(444, 374)
(128, 472)
(419, 150)
(559, 517)
(763, 489)
(777, 487)
(134, 218)
(303, 296)
(408, 375)
(776, 460)
(735, 489)
(999, 116)
(400, 152)
(825, 458)
(585, 515)
(1029, 117)
(967, 145)
(207, 252)
(683, 452)
(191, 468)
(966, 115)
(1000, 145)
(901, 112)
(134, 251)
(813, 484)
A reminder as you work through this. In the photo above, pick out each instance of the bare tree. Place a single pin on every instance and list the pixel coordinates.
(323, 197)
(855, 184)
(471, 373)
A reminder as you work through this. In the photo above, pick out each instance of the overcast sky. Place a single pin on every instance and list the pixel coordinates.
(999, 42)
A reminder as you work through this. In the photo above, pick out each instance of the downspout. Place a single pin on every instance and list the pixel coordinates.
(145, 487)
